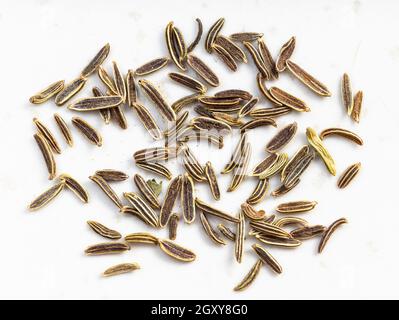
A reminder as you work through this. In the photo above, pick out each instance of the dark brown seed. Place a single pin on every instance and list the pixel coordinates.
(175, 251)
(197, 38)
(307, 79)
(256, 123)
(75, 187)
(283, 189)
(226, 57)
(296, 171)
(259, 192)
(119, 81)
(178, 105)
(219, 101)
(88, 131)
(234, 50)
(226, 232)
(250, 277)
(289, 221)
(107, 189)
(260, 64)
(46, 134)
(143, 209)
(288, 100)
(212, 234)
(204, 123)
(95, 103)
(148, 121)
(179, 44)
(131, 88)
(357, 106)
(142, 237)
(293, 162)
(267, 258)
(170, 198)
(188, 82)
(285, 53)
(269, 112)
(46, 196)
(342, 133)
(212, 180)
(246, 36)
(348, 175)
(96, 61)
(146, 191)
(66, 132)
(173, 223)
(105, 113)
(107, 248)
(282, 138)
(234, 94)
(296, 206)
(47, 155)
(118, 116)
(248, 107)
(69, 91)
(239, 243)
(213, 211)
(346, 92)
(242, 169)
(267, 59)
(103, 230)
(120, 269)
(47, 93)
(212, 34)
(170, 43)
(112, 175)
(265, 164)
(152, 92)
(330, 230)
(156, 168)
(202, 70)
(152, 66)
(304, 233)
(107, 80)
(236, 156)
(262, 87)
(188, 199)
(155, 154)
(279, 242)
(251, 213)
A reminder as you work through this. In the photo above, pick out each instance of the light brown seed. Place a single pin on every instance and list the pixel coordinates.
(118, 115)
(103, 230)
(179, 104)
(46, 196)
(204, 123)
(342, 133)
(107, 80)
(234, 50)
(88, 131)
(267, 59)
(148, 121)
(202, 70)
(192, 165)
(95, 103)
(227, 232)
(187, 81)
(146, 191)
(47, 155)
(231, 120)
(242, 169)
(275, 167)
(256, 123)
(47, 135)
(279, 242)
(47, 93)
(111, 175)
(289, 100)
(245, 36)
(69, 91)
(267, 258)
(156, 168)
(293, 162)
(96, 61)
(213, 102)
(308, 232)
(234, 94)
(240, 233)
(197, 37)
(173, 223)
(142, 237)
(212, 180)
(348, 175)
(179, 44)
(169, 36)
(131, 93)
(265, 164)
(132, 211)
(285, 53)
(357, 106)
(283, 189)
(188, 199)
(66, 132)
(104, 113)
(152, 66)
(273, 112)
(251, 213)
(155, 154)
(226, 57)
(259, 192)
(282, 138)
(248, 107)
(120, 269)
(119, 81)
(269, 229)
(289, 221)
(296, 171)
(317, 144)
(107, 189)
(257, 59)
(213, 211)
(212, 34)
(330, 230)
(262, 87)
(143, 209)
(296, 206)
(212, 234)
(346, 92)
(250, 277)
(307, 79)
(172, 194)
(236, 156)
(107, 248)
(75, 187)
(176, 251)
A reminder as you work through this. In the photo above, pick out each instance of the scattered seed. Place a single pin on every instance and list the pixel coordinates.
(212, 234)
(212, 34)
(47, 135)
(170, 199)
(269, 112)
(342, 133)
(226, 57)
(246, 36)
(262, 87)
(242, 169)
(279, 242)
(239, 243)
(213, 211)
(169, 36)
(142, 237)
(146, 191)
(259, 192)
(285, 53)
(47, 93)
(107, 189)
(267, 59)
(148, 121)
(346, 92)
(66, 132)
(88, 131)
(152, 66)
(229, 119)
(188, 199)
(289, 221)
(248, 107)
(212, 180)
(289, 100)
(75, 187)
(173, 223)
(156, 168)
(267, 258)
(275, 167)
(236, 156)
(188, 82)
(155, 154)
(252, 214)
(142, 208)
(296, 206)
(348, 175)
(197, 38)
(105, 113)
(107, 80)
(47, 155)
(175, 251)
(202, 70)
(96, 61)
(269, 229)
(300, 166)
(293, 162)
(304, 233)
(121, 269)
(282, 138)
(256, 123)
(234, 50)
(260, 64)
(178, 105)
(283, 189)
(103, 230)
(107, 248)
(317, 144)
(204, 123)
(265, 164)
(330, 230)
(112, 175)
(46, 196)
(95, 103)
(226, 232)
(357, 106)
(69, 91)
(250, 277)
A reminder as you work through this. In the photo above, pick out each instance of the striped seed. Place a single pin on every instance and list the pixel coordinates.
(235, 157)
(234, 94)
(212, 34)
(257, 59)
(188, 199)
(177, 126)
(265, 91)
(226, 57)
(210, 231)
(279, 242)
(212, 180)
(192, 165)
(197, 37)
(179, 44)
(103, 230)
(111, 175)
(214, 102)
(293, 162)
(202, 70)
(317, 144)
(142, 237)
(188, 82)
(269, 229)
(234, 50)
(242, 169)
(267, 258)
(47, 135)
(169, 37)
(156, 168)
(170, 198)
(204, 123)
(256, 123)
(213, 211)
(119, 81)
(227, 232)
(47, 155)
(152, 66)
(144, 210)
(120, 269)
(104, 113)
(155, 154)
(47, 93)
(87, 130)
(283, 189)
(248, 107)
(176, 251)
(308, 232)
(131, 93)
(348, 175)
(357, 106)
(269, 112)
(231, 120)
(296, 206)
(148, 121)
(285, 53)
(259, 192)
(330, 230)
(96, 61)
(245, 36)
(289, 100)
(69, 91)
(250, 277)
(46, 196)
(265, 164)
(179, 104)
(95, 103)
(118, 115)
(240, 233)
(289, 221)
(173, 223)
(107, 189)
(275, 167)
(342, 133)
(66, 132)
(346, 92)
(252, 214)
(267, 59)
(146, 191)
(299, 168)
(75, 187)
(282, 138)
(106, 248)
(107, 80)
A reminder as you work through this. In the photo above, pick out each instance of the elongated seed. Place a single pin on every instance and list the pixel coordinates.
(248, 107)
(285, 53)
(120, 269)
(119, 81)
(69, 91)
(179, 44)
(107, 189)
(250, 276)
(103, 230)
(142, 208)
(242, 169)
(300, 167)
(212, 180)
(346, 92)
(152, 66)
(204, 123)
(308, 232)
(275, 167)
(240, 233)
(131, 94)
(47, 93)
(231, 120)
(257, 59)
(187, 81)
(210, 101)
(197, 37)
(342, 133)
(296, 206)
(148, 121)
(289, 100)
(212, 234)
(96, 61)
(107, 80)
(262, 87)
(348, 175)
(178, 105)
(188, 199)
(269, 112)
(259, 192)
(267, 59)
(282, 138)
(293, 162)
(46, 196)
(202, 70)
(317, 144)
(330, 230)
(118, 115)
(172, 194)
(227, 232)
(173, 223)
(156, 168)
(104, 113)
(251, 213)
(146, 191)
(235, 157)
(47, 155)
(267, 258)
(142, 237)
(176, 251)
(192, 165)
(66, 132)
(213, 211)
(107, 248)
(112, 175)
(169, 36)
(234, 94)
(88, 131)
(234, 50)
(212, 34)
(256, 123)
(155, 154)
(283, 189)
(174, 130)
(245, 36)
(75, 187)
(265, 164)
(95, 103)
(226, 57)
(46, 134)
(269, 229)
(357, 106)
(289, 221)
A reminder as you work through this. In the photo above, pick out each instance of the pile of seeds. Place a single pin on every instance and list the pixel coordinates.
(216, 116)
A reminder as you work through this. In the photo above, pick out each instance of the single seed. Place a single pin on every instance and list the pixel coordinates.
(289, 100)
(119, 81)
(279, 242)
(131, 93)
(212, 34)
(118, 116)
(103, 230)
(348, 175)
(47, 93)
(202, 70)
(236, 156)
(283, 189)
(273, 112)
(148, 121)
(170, 198)
(259, 192)
(293, 162)
(234, 50)
(47, 135)
(342, 133)
(250, 277)
(146, 191)
(248, 107)
(226, 57)
(262, 87)
(46, 196)
(346, 92)
(69, 91)
(75, 187)
(226, 232)
(178, 126)
(304, 233)
(155, 154)
(330, 230)
(152, 66)
(66, 132)
(259, 63)
(357, 106)
(213, 102)
(176, 251)
(88, 131)
(204, 123)
(213, 211)
(104, 113)
(107, 248)
(282, 138)
(173, 223)
(95, 103)
(269, 229)
(192, 165)
(232, 121)
(96, 61)
(47, 155)
(242, 169)
(107, 189)
(245, 36)
(179, 44)
(285, 53)
(265, 164)
(197, 38)
(169, 31)
(296, 206)
(317, 144)
(188, 82)
(297, 170)
(252, 214)
(212, 180)
(240, 233)
(111, 175)
(256, 123)
(267, 258)
(289, 221)
(120, 269)
(107, 80)
(267, 59)
(212, 234)
(142, 237)
(188, 199)
(156, 168)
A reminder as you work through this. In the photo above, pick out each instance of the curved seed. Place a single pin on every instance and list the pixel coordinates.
(107, 189)
(256, 123)
(179, 44)
(197, 38)
(330, 230)
(236, 156)
(202, 70)
(175, 251)
(250, 277)
(212, 180)
(47, 155)
(107, 248)
(267, 258)
(47, 135)
(120, 269)
(47, 93)
(316, 143)
(146, 191)
(296, 206)
(138, 214)
(267, 59)
(275, 167)
(234, 94)
(148, 121)
(75, 187)
(156, 168)
(259, 63)
(107, 80)
(357, 106)
(348, 175)
(265, 164)
(103, 230)
(212, 34)
(239, 243)
(111, 175)
(252, 214)
(188, 82)
(342, 133)
(213, 211)
(204, 123)
(66, 132)
(262, 87)
(294, 161)
(169, 201)
(283, 189)
(178, 105)
(210, 231)
(152, 66)
(226, 57)
(246, 36)
(306, 232)
(69, 91)
(96, 61)
(248, 107)
(231, 120)
(192, 165)
(269, 229)
(259, 192)
(142, 208)
(46, 196)
(279, 242)
(88, 131)
(285, 53)
(234, 50)
(226, 232)
(219, 101)
(289, 100)
(282, 138)
(286, 221)
(188, 199)
(242, 169)
(141, 237)
(346, 92)
(95, 103)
